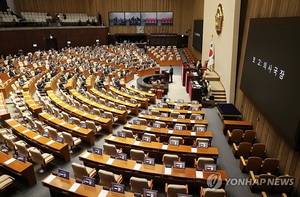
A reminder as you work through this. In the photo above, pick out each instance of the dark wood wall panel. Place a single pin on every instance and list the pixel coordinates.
(276, 146)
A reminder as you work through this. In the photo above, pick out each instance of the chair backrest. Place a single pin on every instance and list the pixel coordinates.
(68, 138)
(85, 108)
(106, 178)
(174, 189)
(264, 181)
(142, 121)
(249, 136)
(155, 112)
(209, 192)
(97, 112)
(153, 136)
(91, 125)
(102, 101)
(110, 149)
(162, 124)
(137, 154)
(236, 135)
(65, 116)
(76, 121)
(270, 165)
(138, 184)
(10, 144)
(109, 115)
(180, 139)
(128, 133)
(36, 156)
(201, 161)
(244, 149)
(174, 114)
(258, 150)
(22, 149)
(53, 132)
(79, 170)
(286, 184)
(39, 126)
(253, 164)
(168, 159)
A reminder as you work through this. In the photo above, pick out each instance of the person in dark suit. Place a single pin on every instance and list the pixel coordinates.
(171, 74)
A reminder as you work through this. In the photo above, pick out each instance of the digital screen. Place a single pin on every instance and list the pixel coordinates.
(70, 121)
(46, 134)
(147, 112)
(84, 125)
(197, 34)
(60, 139)
(97, 150)
(181, 116)
(156, 125)
(180, 101)
(174, 142)
(21, 157)
(119, 188)
(165, 115)
(195, 108)
(270, 73)
(149, 193)
(195, 102)
(121, 134)
(103, 115)
(146, 138)
(199, 117)
(136, 122)
(121, 156)
(202, 144)
(210, 167)
(88, 181)
(91, 112)
(200, 128)
(63, 173)
(149, 161)
(176, 107)
(179, 164)
(4, 149)
(177, 127)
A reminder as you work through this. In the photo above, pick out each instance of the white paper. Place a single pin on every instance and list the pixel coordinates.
(193, 133)
(174, 120)
(103, 193)
(192, 121)
(51, 118)
(16, 125)
(153, 108)
(148, 128)
(113, 109)
(36, 137)
(137, 166)
(128, 125)
(62, 123)
(85, 155)
(84, 114)
(189, 112)
(170, 131)
(141, 115)
(168, 170)
(49, 178)
(156, 118)
(199, 174)
(189, 104)
(137, 143)
(25, 131)
(75, 128)
(9, 161)
(193, 150)
(50, 142)
(110, 161)
(74, 187)
(112, 137)
(165, 147)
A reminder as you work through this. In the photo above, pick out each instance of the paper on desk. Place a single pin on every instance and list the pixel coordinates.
(85, 155)
(189, 104)
(170, 131)
(137, 143)
(9, 161)
(193, 150)
(128, 125)
(193, 133)
(51, 118)
(25, 131)
(16, 125)
(103, 193)
(189, 111)
(165, 147)
(49, 178)
(74, 187)
(36, 137)
(148, 128)
(174, 120)
(75, 128)
(199, 174)
(62, 123)
(137, 166)
(192, 121)
(168, 170)
(141, 115)
(50, 142)
(153, 108)
(110, 161)
(112, 137)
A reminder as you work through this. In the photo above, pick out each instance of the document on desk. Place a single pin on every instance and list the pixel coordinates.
(189, 112)
(86, 154)
(168, 170)
(16, 125)
(192, 121)
(164, 147)
(50, 142)
(74, 187)
(25, 131)
(36, 137)
(193, 133)
(110, 161)
(137, 166)
(170, 131)
(174, 120)
(199, 174)
(128, 125)
(194, 150)
(148, 128)
(9, 161)
(103, 193)
(136, 143)
(156, 118)
(112, 137)
(49, 178)
(75, 128)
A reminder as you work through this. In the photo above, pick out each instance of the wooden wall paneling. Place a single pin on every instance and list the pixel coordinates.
(291, 162)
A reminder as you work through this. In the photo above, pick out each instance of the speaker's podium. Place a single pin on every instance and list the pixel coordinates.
(166, 75)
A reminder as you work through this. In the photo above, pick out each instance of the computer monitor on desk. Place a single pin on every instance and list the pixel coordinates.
(149, 193)
(97, 150)
(119, 188)
(63, 173)
(149, 161)
(88, 181)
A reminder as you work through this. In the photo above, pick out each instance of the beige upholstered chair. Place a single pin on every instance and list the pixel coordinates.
(106, 178)
(110, 116)
(70, 140)
(76, 121)
(137, 185)
(137, 155)
(110, 149)
(97, 112)
(174, 114)
(65, 116)
(209, 192)
(4, 134)
(54, 133)
(162, 124)
(168, 159)
(11, 144)
(91, 125)
(41, 158)
(123, 107)
(5, 181)
(153, 137)
(85, 108)
(201, 161)
(180, 139)
(142, 121)
(172, 190)
(81, 170)
(129, 133)
(21, 146)
(155, 112)
(184, 127)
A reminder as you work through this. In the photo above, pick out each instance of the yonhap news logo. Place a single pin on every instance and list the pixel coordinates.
(214, 181)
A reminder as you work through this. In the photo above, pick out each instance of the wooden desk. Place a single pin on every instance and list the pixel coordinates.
(157, 150)
(33, 138)
(155, 172)
(185, 105)
(142, 101)
(51, 85)
(71, 84)
(187, 113)
(165, 133)
(24, 170)
(150, 96)
(31, 104)
(122, 115)
(148, 71)
(129, 77)
(6, 87)
(84, 134)
(90, 82)
(105, 123)
(133, 107)
(60, 187)
(4, 113)
(236, 124)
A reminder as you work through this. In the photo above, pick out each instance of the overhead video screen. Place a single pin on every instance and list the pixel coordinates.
(197, 34)
(271, 73)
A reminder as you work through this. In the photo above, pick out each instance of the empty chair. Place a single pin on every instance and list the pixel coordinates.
(282, 187)
(201, 161)
(97, 112)
(172, 190)
(269, 165)
(110, 116)
(53, 133)
(155, 112)
(235, 136)
(183, 126)
(41, 158)
(174, 114)
(202, 139)
(91, 125)
(77, 104)
(93, 98)
(258, 150)
(106, 178)
(153, 137)
(4, 134)
(56, 112)
(249, 136)
(81, 170)
(251, 164)
(137, 155)
(31, 123)
(180, 139)
(102, 101)
(162, 124)
(142, 121)
(110, 149)
(65, 116)
(21, 146)
(11, 144)
(242, 150)
(76, 121)
(5, 181)
(261, 182)
(212, 192)
(39, 125)
(137, 185)
(128, 133)
(168, 159)
(70, 140)
(85, 108)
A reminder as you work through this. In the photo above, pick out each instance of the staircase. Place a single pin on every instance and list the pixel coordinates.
(217, 87)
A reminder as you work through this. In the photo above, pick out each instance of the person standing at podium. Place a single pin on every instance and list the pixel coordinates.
(171, 74)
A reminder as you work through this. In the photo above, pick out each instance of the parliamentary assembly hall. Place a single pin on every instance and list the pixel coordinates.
(149, 98)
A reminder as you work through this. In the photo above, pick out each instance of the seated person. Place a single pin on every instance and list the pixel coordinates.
(151, 79)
